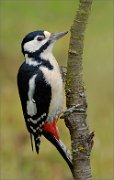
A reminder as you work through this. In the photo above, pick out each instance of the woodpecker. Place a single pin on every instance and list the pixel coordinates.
(40, 89)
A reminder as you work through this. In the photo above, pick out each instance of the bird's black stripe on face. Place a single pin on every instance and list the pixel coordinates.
(36, 54)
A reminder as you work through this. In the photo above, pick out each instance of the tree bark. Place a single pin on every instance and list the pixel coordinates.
(81, 138)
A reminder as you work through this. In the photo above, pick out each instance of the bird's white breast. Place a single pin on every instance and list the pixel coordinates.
(53, 77)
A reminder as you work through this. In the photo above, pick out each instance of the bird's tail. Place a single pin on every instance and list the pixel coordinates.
(37, 142)
(31, 141)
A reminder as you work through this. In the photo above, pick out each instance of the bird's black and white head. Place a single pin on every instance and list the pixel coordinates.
(39, 41)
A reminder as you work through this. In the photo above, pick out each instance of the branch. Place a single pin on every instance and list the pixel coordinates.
(76, 116)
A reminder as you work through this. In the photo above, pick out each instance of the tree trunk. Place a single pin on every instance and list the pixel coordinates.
(81, 138)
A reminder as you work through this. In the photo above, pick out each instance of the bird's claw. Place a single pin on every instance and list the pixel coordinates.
(75, 108)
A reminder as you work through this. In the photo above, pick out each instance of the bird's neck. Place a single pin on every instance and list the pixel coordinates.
(47, 55)
(36, 59)
(31, 60)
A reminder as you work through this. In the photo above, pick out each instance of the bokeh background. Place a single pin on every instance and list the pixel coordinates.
(17, 18)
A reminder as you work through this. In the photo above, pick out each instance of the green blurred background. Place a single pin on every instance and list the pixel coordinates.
(17, 161)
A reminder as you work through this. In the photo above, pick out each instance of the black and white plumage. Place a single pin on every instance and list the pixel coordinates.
(41, 88)
(35, 97)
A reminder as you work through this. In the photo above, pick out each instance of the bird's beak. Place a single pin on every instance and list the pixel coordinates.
(55, 36)
(61, 148)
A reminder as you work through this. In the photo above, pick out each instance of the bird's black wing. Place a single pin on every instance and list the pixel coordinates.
(40, 101)
(42, 97)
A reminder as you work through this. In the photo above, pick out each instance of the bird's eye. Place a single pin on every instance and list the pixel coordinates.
(40, 38)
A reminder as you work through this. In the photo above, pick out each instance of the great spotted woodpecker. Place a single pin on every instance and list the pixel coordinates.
(41, 89)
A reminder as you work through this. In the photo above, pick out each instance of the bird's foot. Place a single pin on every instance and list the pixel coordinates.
(75, 108)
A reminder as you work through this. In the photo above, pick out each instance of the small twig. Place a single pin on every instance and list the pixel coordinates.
(63, 70)
(90, 139)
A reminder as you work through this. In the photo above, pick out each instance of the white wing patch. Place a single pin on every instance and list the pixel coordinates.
(31, 105)
(31, 108)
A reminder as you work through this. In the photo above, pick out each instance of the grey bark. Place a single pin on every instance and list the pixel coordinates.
(81, 138)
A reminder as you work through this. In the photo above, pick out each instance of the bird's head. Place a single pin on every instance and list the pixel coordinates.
(38, 41)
